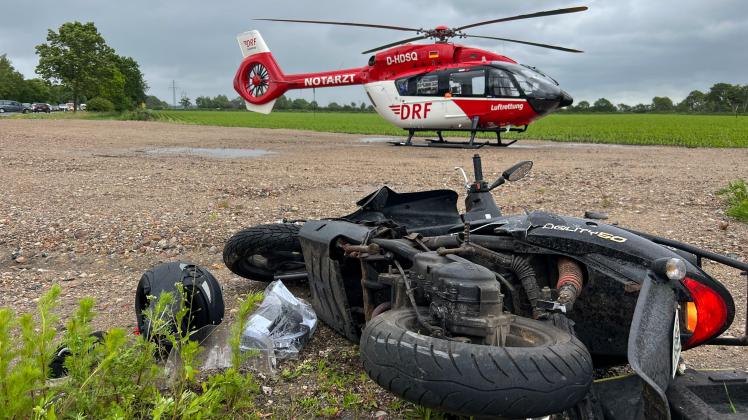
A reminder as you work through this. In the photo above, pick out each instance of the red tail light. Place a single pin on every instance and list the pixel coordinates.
(711, 312)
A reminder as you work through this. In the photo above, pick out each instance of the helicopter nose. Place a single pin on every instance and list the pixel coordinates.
(565, 100)
(550, 102)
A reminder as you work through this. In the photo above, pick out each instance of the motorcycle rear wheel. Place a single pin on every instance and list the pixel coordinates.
(541, 370)
(278, 244)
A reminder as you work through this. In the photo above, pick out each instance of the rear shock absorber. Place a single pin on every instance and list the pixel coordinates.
(570, 281)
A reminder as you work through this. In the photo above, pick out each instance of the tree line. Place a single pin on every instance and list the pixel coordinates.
(721, 98)
(76, 65)
(283, 103)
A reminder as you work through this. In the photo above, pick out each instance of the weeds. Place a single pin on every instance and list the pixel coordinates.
(736, 196)
(732, 406)
(114, 374)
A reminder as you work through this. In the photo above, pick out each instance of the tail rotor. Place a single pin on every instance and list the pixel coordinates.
(259, 80)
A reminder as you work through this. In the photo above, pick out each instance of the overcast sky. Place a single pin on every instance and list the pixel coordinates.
(634, 49)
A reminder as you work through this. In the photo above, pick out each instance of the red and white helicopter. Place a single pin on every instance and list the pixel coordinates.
(431, 87)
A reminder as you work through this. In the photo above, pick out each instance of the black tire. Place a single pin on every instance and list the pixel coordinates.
(276, 242)
(477, 380)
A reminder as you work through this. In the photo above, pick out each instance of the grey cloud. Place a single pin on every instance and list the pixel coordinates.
(634, 49)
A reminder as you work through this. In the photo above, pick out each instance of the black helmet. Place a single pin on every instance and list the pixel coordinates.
(202, 294)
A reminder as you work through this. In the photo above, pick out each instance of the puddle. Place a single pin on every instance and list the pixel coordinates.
(214, 153)
(379, 139)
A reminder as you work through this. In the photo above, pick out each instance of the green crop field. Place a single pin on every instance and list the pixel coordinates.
(645, 129)
(667, 129)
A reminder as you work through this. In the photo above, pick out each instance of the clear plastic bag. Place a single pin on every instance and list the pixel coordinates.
(277, 329)
(216, 353)
(280, 326)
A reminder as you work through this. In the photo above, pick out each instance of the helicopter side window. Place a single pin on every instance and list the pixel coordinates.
(402, 86)
(468, 83)
(427, 85)
(500, 84)
(421, 85)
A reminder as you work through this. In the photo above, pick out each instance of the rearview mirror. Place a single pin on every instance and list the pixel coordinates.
(518, 171)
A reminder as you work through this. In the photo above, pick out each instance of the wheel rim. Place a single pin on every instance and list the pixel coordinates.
(520, 334)
(258, 80)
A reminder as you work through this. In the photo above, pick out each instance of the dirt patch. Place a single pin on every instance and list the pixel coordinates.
(83, 205)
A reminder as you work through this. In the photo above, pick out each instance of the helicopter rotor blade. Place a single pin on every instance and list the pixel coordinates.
(404, 41)
(365, 25)
(526, 16)
(553, 47)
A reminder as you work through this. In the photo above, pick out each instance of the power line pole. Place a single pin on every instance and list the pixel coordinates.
(174, 93)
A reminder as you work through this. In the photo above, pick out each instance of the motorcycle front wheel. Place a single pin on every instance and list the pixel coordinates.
(261, 252)
(541, 370)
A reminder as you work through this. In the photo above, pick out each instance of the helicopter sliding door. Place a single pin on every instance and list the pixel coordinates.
(415, 101)
(467, 83)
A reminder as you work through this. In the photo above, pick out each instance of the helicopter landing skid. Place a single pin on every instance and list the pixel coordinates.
(443, 144)
(470, 144)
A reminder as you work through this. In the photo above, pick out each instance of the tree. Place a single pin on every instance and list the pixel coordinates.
(77, 56)
(640, 108)
(662, 104)
(203, 102)
(624, 108)
(185, 102)
(300, 104)
(221, 102)
(282, 103)
(135, 86)
(112, 88)
(724, 97)
(99, 104)
(11, 81)
(333, 106)
(694, 102)
(237, 103)
(362, 107)
(152, 102)
(59, 94)
(582, 106)
(35, 90)
(603, 105)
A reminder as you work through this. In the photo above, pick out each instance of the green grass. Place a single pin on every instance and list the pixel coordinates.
(736, 196)
(640, 129)
(661, 129)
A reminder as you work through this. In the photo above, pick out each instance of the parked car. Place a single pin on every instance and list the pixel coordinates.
(11, 106)
(40, 107)
(26, 107)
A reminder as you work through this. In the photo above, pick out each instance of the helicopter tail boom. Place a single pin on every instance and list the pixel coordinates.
(260, 81)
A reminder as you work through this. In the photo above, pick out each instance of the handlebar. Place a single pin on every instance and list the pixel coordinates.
(477, 168)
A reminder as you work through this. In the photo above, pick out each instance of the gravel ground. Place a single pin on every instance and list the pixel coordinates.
(89, 204)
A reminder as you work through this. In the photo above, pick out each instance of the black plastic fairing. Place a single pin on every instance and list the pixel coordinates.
(650, 345)
(427, 212)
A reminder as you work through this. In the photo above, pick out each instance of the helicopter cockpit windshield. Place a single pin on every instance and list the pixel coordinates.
(533, 83)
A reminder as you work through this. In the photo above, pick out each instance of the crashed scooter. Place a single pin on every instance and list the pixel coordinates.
(483, 314)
